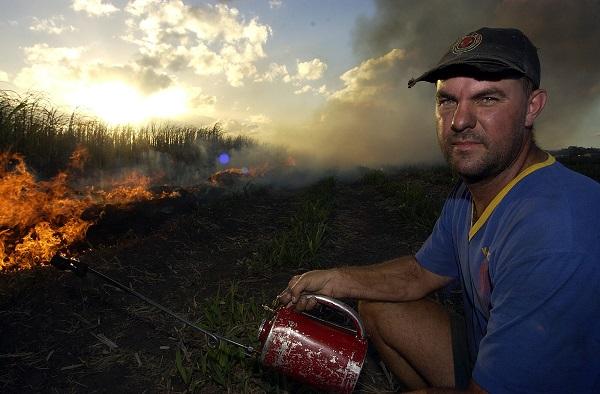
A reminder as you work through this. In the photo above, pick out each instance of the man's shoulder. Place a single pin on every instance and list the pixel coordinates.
(561, 179)
(558, 188)
(557, 209)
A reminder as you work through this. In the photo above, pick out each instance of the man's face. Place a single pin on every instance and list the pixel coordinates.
(480, 125)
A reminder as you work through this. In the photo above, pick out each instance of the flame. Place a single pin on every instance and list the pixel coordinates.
(40, 218)
(290, 161)
(231, 175)
(133, 187)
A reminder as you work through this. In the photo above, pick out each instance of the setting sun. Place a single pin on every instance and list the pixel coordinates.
(116, 102)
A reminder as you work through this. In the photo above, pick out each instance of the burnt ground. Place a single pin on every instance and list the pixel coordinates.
(60, 333)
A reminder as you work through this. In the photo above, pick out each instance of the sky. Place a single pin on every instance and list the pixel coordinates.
(323, 77)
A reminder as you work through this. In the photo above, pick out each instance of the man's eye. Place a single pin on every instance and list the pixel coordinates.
(489, 100)
(445, 102)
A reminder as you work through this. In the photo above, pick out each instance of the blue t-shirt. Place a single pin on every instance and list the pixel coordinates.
(530, 272)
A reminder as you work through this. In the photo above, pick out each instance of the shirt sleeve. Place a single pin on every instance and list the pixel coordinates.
(544, 326)
(438, 253)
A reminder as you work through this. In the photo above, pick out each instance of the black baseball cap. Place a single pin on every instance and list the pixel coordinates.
(488, 51)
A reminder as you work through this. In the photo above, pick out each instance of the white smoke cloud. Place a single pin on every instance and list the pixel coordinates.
(370, 120)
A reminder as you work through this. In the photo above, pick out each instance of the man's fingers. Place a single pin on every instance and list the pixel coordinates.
(305, 303)
(311, 303)
(286, 297)
(309, 282)
(296, 287)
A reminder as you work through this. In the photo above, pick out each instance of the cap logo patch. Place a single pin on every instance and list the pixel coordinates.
(466, 43)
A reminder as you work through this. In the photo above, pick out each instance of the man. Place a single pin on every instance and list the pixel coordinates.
(520, 232)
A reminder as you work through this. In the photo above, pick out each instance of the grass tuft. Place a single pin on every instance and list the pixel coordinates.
(298, 243)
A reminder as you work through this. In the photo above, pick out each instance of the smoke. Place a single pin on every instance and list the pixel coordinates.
(375, 120)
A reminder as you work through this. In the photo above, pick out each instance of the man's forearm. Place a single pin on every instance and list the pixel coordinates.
(400, 279)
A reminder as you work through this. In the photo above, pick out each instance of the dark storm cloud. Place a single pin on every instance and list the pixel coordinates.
(566, 33)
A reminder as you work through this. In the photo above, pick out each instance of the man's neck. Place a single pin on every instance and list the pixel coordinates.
(483, 192)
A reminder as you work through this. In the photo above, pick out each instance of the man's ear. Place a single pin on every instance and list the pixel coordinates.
(535, 105)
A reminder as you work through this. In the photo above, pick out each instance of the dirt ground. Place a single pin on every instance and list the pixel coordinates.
(63, 334)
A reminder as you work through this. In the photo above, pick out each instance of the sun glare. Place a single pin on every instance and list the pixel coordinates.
(116, 102)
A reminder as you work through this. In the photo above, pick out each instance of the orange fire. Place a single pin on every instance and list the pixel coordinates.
(229, 176)
(133, 187)
(40, 218)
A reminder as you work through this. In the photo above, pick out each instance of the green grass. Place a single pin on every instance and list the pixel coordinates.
(410, 196)
(236, 315)
(297, 244)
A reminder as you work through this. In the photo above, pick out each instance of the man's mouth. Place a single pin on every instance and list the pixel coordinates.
(465, 143)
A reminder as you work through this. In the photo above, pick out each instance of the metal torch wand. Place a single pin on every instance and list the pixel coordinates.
(80, 269)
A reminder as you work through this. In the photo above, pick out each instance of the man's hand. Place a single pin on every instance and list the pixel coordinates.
(313, 282)
(400, 279)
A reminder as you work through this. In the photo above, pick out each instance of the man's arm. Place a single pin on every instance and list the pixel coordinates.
(400, 279)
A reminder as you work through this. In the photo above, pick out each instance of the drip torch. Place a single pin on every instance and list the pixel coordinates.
(311, 350)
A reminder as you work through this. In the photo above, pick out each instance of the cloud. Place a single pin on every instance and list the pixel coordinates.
(303, 89)
(210, 40)
(50, 69)
(4, 76)
(94, 7)
(566, 34)
(321, 90)
(56, 67)
(116, 92)
(53, 25)
(259, 119)
(43, 53)
(275, 3)
(145, 79)
(368, 82)
(11, 23)
(311, 70)
(275, 72)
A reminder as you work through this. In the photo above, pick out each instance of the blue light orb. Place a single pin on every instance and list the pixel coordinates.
(224, 158)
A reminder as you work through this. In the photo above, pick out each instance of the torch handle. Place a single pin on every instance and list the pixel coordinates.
(339, 305)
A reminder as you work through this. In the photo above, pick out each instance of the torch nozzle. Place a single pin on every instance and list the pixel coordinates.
(69, 264)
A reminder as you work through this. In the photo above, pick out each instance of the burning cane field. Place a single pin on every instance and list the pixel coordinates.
(207, 224)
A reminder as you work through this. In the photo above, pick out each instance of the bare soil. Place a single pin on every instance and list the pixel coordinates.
(63, 334)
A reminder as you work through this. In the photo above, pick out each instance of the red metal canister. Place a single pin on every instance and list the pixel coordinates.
(316, 352)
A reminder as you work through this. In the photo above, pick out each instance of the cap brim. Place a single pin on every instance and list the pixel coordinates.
(467, 67)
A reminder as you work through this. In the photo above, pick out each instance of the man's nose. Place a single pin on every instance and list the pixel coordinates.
(463, 118)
